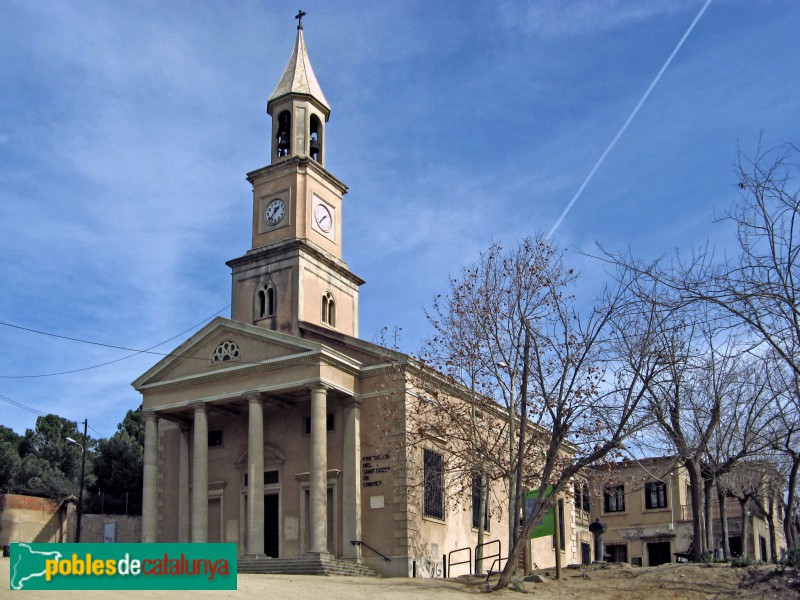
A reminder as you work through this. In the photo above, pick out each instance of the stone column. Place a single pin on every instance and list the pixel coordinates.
(318, 484)
(255, 476)
(183, 486)
(351, 480)
(150, 484)
(200, 476)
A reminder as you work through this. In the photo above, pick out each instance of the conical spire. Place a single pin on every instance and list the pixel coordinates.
(299, 78)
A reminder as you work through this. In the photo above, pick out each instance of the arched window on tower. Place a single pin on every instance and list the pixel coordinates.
(265, 301)
(328, 309)
(284, 133)
(315, 141)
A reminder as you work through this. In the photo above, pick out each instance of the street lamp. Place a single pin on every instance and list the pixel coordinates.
(80, 493)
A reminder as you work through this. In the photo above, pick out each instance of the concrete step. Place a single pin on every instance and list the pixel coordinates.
(306, 565)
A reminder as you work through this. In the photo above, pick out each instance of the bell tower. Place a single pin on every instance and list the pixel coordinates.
(294, 271)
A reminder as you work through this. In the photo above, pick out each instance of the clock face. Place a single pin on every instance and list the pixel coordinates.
(275, 211)
(323, 218)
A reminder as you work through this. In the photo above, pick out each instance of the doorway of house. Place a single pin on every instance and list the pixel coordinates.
(271, 525)
(586, 553)
(658, 553)
(735, 544)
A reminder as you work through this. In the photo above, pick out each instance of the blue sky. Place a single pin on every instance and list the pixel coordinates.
(126, 129)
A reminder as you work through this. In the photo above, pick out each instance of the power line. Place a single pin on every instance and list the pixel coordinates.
(38, 412)
(135, 352)
(628, 122)
(21, 405)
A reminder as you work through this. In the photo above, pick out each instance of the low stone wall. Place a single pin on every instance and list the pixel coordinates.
(125, 528)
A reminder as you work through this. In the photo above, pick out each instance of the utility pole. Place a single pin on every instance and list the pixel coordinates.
(83, 472)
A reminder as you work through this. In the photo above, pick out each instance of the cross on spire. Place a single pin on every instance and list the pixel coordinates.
(299, 17)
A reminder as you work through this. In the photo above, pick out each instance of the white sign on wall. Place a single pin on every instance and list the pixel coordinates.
(109, 533)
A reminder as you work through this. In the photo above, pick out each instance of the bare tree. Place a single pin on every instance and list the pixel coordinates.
(587, 374)
(479, 332)
(784, 433)
(756, 292)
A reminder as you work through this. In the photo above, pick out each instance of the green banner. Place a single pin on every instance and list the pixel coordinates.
(122, 567)
(546, 525)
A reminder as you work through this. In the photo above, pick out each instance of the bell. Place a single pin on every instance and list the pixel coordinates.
(283, 143)
(313, 146)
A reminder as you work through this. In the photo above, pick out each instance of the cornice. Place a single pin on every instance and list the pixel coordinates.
(297, 163)
(295, 247)
(250, 369)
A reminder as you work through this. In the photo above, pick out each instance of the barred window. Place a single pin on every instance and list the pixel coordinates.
(433, 474)
(655, 494)
(614, 499)
(476, 503)
(582, 501)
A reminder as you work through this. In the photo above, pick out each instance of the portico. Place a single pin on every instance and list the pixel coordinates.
(309, 387)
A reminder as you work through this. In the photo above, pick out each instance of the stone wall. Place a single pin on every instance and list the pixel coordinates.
(126, 528)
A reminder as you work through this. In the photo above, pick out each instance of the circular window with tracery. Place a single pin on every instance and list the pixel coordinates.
(225, 352)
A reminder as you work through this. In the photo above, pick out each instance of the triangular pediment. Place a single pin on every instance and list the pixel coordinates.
(225, 345)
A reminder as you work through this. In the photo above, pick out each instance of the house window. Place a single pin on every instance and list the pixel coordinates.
(476, 503)
(617, 553)
(614, 499)
(561, 530)
(328, 423)
(328, 309)
(655, 494)
(582, 497)
(265, 300)
(215, 438)
(433, 476)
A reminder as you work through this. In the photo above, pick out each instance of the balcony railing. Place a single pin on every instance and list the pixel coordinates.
(732, 509)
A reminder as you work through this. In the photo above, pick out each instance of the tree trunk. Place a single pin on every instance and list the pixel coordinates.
(513, 508)
(745, 529)
(695, 481)
(773, 538)
(708, 513)
(723, 519)
(789, 530)
(481, 524)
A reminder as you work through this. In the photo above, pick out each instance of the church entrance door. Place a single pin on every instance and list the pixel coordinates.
(271, 525)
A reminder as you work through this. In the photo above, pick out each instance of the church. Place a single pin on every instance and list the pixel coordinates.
(278, 429)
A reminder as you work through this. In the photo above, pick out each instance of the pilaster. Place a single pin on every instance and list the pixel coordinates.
(351, 480)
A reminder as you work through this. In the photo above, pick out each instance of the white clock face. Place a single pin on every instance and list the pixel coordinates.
(323, 218)
(275, 211)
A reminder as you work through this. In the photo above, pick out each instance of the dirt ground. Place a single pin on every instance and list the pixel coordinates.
(618, 582)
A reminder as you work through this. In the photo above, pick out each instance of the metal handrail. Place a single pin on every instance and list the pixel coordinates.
(491, 570)
(498, 555)
(362, 543)
(451, 564)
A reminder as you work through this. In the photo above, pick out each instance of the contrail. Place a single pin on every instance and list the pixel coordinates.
(628, 122)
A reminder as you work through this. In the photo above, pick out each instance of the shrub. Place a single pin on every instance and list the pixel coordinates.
(739, 562)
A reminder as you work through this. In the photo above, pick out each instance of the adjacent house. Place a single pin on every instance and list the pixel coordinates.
(646, 505)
